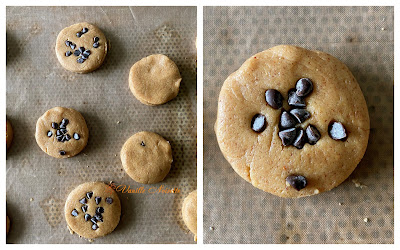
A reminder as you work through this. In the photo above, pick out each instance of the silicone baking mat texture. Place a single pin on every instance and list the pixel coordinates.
(361, 37)
(37, 184)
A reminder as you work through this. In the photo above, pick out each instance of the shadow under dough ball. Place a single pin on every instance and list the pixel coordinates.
(189, 212)
(9, 134)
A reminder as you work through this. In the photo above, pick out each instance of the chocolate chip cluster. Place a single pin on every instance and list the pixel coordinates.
(62, 132)
(97, 217)
(82, 53)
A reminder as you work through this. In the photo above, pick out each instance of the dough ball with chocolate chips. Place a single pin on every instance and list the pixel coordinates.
(92, 210)
(81, 47)
(154, 80)
(146, 157)
(62, 132)
(9, 134)
(316, 121)
(189, 212)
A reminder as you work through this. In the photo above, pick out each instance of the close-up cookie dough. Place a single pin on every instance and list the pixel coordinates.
(154, 80)
(189, 212)
(62, 132)
(292, 122)
(9, 134)
(81, 47)
(92, 210)
(146, 157)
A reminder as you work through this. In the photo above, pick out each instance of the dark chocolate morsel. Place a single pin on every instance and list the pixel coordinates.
(73, 45)
(84, 57)
(49, 133)
(337, 131)
(93, 220)
(85, 30)
(58, 132)
(295, 100)
(84, 208)
(99, 217)
(76, 136)
(83, 201)
(287, 136)
(64, 122)
(274, 98)
(74, 213)
(67, 137)
(313, 134)
(81, 49)
(109, 200)
(300, 139)
(86, 52)
(100, 210)
(63, 131)
(54, 125)
(94, 226)
(89, 194)
(298, 182)
(96, 45)
(59, 137)
(79, 34)
(87, 217)
(62, 152)
(287, 120)
(142, 144)
(304, 86)
(68, 53)
(68, 43)
(97, 199)
(80, 60)
(77, 53)
(96, 39)
(258, 123)
(300, 114)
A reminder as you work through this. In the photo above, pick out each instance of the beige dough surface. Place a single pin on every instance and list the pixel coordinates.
(146, 157)
(9, 134)
(189, 212)
(97, 55)
(110, 216)
(154, 80)
(50, 145)
(260, 158)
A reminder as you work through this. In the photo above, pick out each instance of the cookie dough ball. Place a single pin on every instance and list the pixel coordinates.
(189, 212)
(292, 122)
(92, 210)
(154, 80)
(81, 47)
(146, 157)
(62, 132)
(8, 224)
(9, 134)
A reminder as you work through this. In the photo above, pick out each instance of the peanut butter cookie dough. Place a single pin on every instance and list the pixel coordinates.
(146, 157)
(9, 134)
(189, 212)
(81, 47)
(62, 132)
(154, 80)
(92, 210)
(292, 122)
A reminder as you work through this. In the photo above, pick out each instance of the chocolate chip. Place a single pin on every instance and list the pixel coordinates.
(313, 134)
(67, 137)
(49, 133)
(274, 98)
(84, 208)
(287, 136)
(86, 52)
(62, 152)
(54, 125)
(87, 217)
(64, 123)
(142, 144)
(93, 220)
(109, 200)
(89, 195)
(98, 200)
(74, 213)
(59, 137)
(68, 43)
(73, 45)
(258, 123)
(287, 120)
(80, 60)
(62, 130)
(77, 53)
(295, 100)
(58, 133)
(300, 139)
(83, 201)
(68, 53)
(300, 114)
(337, 131)
(96, 39)
(81, 49)
(85, 30)
(304, 86)
(99, 217)
(84, 57)
(94, 226)
(76, 136)
(100, 210)
(96, 45)
(298, 182)
(79, 34)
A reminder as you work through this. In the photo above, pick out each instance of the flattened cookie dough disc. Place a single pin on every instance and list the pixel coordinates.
(81, 47)
(146, 157)
(62, 132)
(189, 212)
(154, 80)
(9, 134)
(92, 210)
(313, 146)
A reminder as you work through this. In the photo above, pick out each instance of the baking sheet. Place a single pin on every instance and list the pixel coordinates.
(37, 184)
(358, 211)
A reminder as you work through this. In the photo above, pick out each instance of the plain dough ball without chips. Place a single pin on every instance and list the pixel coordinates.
(68, 43)
(92, 210)
(189, 212)
(146, 157)
(9, 134)
(154, 80)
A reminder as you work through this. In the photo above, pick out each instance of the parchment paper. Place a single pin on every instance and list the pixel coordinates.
(361, 37)
(37, 184)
